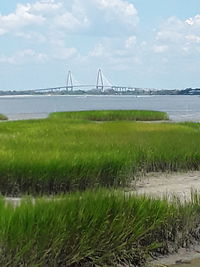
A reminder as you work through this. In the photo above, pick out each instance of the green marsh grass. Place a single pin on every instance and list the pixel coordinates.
(62, 154)
(112, 115)
(94, 228)
(3, 117)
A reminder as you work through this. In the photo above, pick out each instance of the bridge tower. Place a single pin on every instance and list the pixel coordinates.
(100, 85)
(69, 86)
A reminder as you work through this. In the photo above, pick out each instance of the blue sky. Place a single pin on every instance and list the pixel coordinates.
(141, 43)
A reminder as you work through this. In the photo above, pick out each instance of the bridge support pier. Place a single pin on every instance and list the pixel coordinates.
(100, 85)
(69, 86)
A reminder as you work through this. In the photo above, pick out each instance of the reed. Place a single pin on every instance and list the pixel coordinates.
(99, 227)
(112, 115)
(61, 154)
(95, 228)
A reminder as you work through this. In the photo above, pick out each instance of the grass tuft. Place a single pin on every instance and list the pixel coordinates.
(60, 155)
(95, 228)
(112, 115)
(3, 117)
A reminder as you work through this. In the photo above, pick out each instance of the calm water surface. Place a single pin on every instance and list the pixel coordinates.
(179, 108)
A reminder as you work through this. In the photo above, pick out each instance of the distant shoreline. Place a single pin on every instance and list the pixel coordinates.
(121, 91)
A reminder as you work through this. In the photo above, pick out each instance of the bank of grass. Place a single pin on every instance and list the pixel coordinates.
(93, 228)
(100, 228)
(3, 117)
(112, 115)
(61, 154)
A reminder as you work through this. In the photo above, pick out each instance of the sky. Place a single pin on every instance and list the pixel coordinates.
(139, 43)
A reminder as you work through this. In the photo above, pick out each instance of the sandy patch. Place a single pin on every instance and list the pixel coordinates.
(159, 184)
(189, 257)
(170, 184)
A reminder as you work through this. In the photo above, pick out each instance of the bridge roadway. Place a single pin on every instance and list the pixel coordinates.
(71, 88)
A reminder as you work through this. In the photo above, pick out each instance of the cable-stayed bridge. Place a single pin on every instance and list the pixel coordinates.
(102, 84)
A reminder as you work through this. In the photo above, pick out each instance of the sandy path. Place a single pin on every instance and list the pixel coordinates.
(159, 184)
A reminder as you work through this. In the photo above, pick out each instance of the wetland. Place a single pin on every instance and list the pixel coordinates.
(80, 173)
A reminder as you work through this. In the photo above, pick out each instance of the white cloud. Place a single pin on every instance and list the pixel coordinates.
(24, 55)
(193, 38)
(98, 51)
(53, 24)
(120, 10)
(45, 6)
(69, 22)
(160, 48)
(46, 13)
(178, 36)
(171, 31)
(20, 18)
(118, 53)
(65, 53)
(73, 15)
(61, 51)
(34, 36)
(195, 21)
(130, 42)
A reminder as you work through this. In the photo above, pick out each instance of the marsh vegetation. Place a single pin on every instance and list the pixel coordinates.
(3, 117)
(112, 115)
(66, 152)
(73, 153)
(94, 228)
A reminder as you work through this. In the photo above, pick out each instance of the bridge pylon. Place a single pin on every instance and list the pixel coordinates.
(69, 85)
(100, 85)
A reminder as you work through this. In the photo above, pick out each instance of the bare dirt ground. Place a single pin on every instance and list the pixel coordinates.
(161, 184)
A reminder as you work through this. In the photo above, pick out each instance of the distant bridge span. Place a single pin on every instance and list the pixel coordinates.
(101, 85)
(88, 86)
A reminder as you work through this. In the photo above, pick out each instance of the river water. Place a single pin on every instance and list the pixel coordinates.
(179, 108)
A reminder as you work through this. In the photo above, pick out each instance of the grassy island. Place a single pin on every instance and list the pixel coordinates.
(62, 154)
(112, 115)
(78, 153)
(3, 117)
(71, 151)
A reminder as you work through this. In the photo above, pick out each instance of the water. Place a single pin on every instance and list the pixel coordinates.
(179, 108)
(194, 263)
